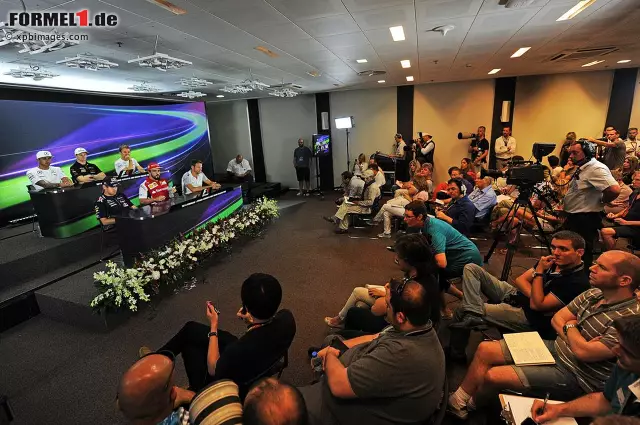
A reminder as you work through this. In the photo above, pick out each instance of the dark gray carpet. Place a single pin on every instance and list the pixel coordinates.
(55, 373)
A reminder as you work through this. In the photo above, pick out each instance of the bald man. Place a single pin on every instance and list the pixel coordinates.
(274, 403)
(147, 395)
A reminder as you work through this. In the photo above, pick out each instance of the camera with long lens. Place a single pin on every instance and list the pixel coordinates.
(472, 136)
(524, 173)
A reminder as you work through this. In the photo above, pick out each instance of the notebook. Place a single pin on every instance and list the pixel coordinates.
(527, 349)
(521, 409)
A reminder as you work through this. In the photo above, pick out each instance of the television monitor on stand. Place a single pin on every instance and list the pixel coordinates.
(321, 145)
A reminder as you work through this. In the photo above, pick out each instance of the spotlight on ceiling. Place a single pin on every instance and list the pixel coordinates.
(160, 61)
(191, 94)
(87, 61)
(32, 71)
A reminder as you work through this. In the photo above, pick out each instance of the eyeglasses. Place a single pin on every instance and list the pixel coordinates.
(398, 288)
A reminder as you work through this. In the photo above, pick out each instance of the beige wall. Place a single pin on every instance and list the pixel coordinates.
(229, 132)
(283, 122)
(376, 121)
(635, 111)
(445, 109)
(549, 106)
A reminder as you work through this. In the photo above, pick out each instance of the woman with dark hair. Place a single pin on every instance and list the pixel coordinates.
(364, 310)
(629, 166)
(210, 354)
(466, 167)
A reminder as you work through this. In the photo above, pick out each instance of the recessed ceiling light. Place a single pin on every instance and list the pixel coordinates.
(397, 33)
(220, 95)
(381, 81)
(495, 71)
(571, 13)
(406, 63)
(361, 60)
(410, 78)
(592, 63)
(521, 51)
(625, 61)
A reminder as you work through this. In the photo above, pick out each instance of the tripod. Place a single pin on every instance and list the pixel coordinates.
(523, 201)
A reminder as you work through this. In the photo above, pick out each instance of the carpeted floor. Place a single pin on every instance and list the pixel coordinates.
(55, 373)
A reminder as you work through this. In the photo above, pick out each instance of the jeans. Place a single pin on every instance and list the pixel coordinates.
(192, 342)
(477, 281)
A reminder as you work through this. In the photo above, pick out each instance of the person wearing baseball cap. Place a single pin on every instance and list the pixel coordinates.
(111, 203)
(83, 171)
(153, 188)
(44, 176)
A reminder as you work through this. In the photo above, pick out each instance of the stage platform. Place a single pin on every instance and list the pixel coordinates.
(49, 277)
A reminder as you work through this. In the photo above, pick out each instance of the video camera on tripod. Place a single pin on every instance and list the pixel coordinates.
(525, 173)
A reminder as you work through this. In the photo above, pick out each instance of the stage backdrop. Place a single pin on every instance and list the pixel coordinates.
(172, 135)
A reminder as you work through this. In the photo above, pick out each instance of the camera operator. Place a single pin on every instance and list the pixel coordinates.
(590, 188)
(505, 147)
(425, 148)
(479, 149)
(615, 151)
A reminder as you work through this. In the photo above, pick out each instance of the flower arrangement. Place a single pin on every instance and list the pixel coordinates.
(165, 266)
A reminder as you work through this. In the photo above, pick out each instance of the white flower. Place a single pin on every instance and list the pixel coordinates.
(155, 275)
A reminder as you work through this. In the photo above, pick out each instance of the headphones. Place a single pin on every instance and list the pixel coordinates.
(588, 148)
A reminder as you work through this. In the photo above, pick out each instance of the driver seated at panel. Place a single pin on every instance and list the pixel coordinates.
(111, 203)
(46, 176)
(153, 188)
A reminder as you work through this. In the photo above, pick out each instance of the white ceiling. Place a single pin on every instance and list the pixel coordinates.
(220, 36)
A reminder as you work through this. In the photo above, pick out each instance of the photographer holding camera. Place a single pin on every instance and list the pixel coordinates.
(591, 186)
(479, 149)
(425, 148)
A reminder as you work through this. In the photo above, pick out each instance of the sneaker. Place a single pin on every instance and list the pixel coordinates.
(143, 351)
(299, 194)
(391, 248)
(455, 409)
(306, 194)
(384, 235)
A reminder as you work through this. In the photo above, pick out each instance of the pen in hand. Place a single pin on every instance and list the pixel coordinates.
(540, 411)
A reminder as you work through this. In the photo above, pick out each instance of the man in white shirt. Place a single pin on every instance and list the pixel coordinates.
(239, 169)
(192, 180)
(380, 179)
(398, 146)
(44, 176)
(631, 143)
(127, 165)
(426, 148)
(505, 148)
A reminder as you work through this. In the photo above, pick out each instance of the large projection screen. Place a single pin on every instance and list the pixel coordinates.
(172, 135)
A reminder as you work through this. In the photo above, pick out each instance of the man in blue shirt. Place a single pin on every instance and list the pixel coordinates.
(483, 197)
(452, 250)
(460, 212)
(621, 391)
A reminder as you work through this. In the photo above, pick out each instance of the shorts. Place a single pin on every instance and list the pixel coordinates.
(553, 378)
(303, 174)
(630, 232)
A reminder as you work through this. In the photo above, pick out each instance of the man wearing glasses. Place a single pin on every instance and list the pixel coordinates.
(621, 391)
(395, 376)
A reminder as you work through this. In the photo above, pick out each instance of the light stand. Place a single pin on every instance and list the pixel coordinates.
(348, 157)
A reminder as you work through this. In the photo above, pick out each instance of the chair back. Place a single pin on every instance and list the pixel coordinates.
(31, 187)
(375, 207)
(438, 416)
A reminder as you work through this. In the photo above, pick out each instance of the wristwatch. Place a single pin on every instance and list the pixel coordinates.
(213, 333)
(566, 328)
(536, 274)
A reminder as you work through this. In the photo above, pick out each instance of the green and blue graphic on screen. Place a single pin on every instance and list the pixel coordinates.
(172, 135)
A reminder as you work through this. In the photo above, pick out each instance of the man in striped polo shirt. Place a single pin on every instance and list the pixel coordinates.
(582, 350)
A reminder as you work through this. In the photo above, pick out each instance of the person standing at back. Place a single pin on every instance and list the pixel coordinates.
(479, 149)
(302, 162)
(505, 148)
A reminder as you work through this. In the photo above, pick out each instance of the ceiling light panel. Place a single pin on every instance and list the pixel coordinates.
(405, 63)
(494, 71)
(87, 61)
(521, 51)
(575, 10)
(361, 60)
(410, 78)
(625, 61)
(381, 81)
(397, 33)
(592, 63)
